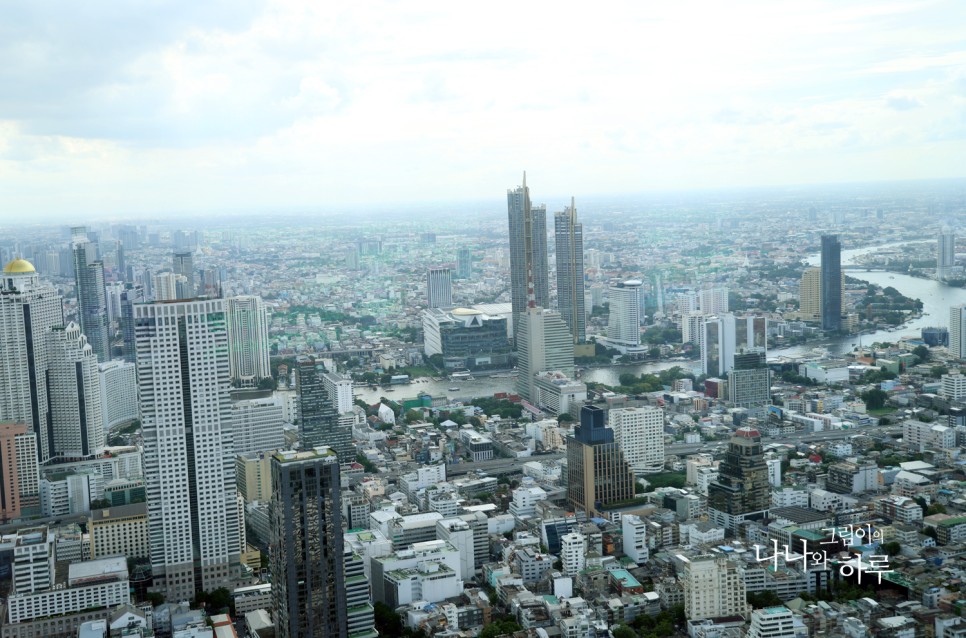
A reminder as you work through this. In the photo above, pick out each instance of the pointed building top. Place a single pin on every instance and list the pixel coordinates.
(524, 179)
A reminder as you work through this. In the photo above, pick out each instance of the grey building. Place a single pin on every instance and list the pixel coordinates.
(91, 295)
(569, 242)
(831, 283)
(528, 252)
(183, 264)
(132, 294)
(318, 418)
(306, 550)
(464, 263)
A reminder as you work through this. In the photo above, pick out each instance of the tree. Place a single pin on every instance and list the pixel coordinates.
(935, 508)
(922, 353)
(875, 399)
(892, 548)
(388, 622)
(938, 371)
(413, 416)
(623, 631)
(499, 628)
(565, 417)
(100, 503)
(762, 599)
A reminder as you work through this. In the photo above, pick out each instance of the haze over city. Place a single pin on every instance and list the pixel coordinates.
(145, 109)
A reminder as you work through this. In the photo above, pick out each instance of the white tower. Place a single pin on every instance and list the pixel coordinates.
(957, 332)
(624, 323)
(248, 348)
(439, 288)
(76, 421)
(183, 378)
(640, 434)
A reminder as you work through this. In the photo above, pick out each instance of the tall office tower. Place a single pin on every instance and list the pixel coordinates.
(528, 253)
(91, 297)
(751, 334)
(597, 472)
(713, 587)
(945, 253)
(691, 327)
(318, 420)
(112, 292)
(464, 263)
(717, 345)
(639, 432)
(183, 264)
(810, 295)
(132, 294)
(339, 389)
(189, 470)
(306, 548)
(776, 622)
(569, 242)
(247, 319)
(19, 482)
(74, 391)
(714, 301)
(831, 283)
(741, 491)
(168, 285)
(544, 344)
(957, 331)
(624, 322)
(749, 382)
(29, 310)
(439, 288)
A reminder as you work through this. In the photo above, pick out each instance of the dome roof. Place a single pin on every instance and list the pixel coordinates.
(19, 266)
(463, 312)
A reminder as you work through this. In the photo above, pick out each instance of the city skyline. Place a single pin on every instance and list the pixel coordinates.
(234, 103)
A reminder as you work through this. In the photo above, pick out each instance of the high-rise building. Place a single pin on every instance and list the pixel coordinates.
(248, 348)
(624, 322)
(360, 615)
(168, 286)
(339, 389)
(464, 263)
(945, 253)
(569, 245)
(741, 491)
(528, 253)
(713, 587)
(749, 382)
(306, 548)
(29, 310)
(119, 393)
(691, 323)
(74, 392)
(19, 482)
(713, 301)
(544, 344)
(132, 294)
(717, 343)
(189, 460)
(639, 432)
(183, 264)
(597, 472)
(751, 334)
(957, 331)
(439, 288)
(318, 419)
(91, 297)
(810, 295)
(831, 283)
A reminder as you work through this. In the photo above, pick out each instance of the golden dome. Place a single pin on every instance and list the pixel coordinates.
(19, 266)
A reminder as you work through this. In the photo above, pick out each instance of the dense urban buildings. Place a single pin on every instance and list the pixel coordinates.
(183, 378)
(306, 550)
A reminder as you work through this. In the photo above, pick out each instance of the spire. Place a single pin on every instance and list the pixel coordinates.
(524, 180)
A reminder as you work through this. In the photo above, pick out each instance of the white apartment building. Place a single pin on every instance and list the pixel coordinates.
(713, 301)
(459, 534)
(640, 434)
(253, 474)
(556, 393)
(624, 321)
(713, 588)
(339, 389)
(774, 472)
(165, 285)
(573, 552)
(430, 571)
(257, 425)
(918, 436)
(776, 622)
(184, 382)
(248, 348)
(957, 331)
(524, 503)
(439, 288)
(635, 538)
(953, 387)
(119, 393)
(90, 584)
(33, 560)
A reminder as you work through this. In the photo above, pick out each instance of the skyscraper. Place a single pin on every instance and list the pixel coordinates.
(713, 301)
(183, 264)
(248, 360)
(639, 432)
(624, 322)
(91, 296)
(306, 548)
(569, 245)
(741, 491)
(439, 288)
(749, 383)
(184, 383)
(74, 392)
(945, 253)
(19, 482)
(544, 344)
(132, 294)
(957, 331)
(597, 472)
(831, 283)
(810, 295)
(528, 252)
(29, 310)
(717, 342)
(464, 263)
(318, 419)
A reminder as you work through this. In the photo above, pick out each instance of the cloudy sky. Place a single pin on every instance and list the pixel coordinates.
(143, 107)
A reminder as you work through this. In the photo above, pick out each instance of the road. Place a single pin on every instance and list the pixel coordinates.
(497, 467)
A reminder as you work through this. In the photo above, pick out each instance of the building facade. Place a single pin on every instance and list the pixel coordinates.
(639, 432)
(91, 295)
(247, 318)
(569, 246)
(76, 419)
(318, 420)
(597, 472)
(831, 283)
(544, 344)
(439, 288)
(741, 491)
(529, 270)
(624, 321)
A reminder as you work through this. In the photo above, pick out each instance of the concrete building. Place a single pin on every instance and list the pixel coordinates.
(428, 572)
(919, 436)
(102, 583)
(556, 393)
(339, 389)
(544, 344)
(742, 491)
(120, 531)
(119, 393)
(189, 460)
(318, 420)
(713, 301)
(832, 308)
(957, 332)
(464, 263)
(597, 472)
(466, 338)
(569, 243)
(19, 479)
(91, 294)
(247, 318)
(257, 425)
(624, 321)
(945, 253)
(573, 553)
(713, 588)
(639, 432)
(529, 269)
(306, 552)
(776, 622)
(253, 473)
(76, 421)
(634, 530)
(953, 387)
(439, 288)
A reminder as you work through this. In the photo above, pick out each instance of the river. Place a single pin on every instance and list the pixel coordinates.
(936, 299)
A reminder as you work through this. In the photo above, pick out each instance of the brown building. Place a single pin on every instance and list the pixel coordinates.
(597, 473)
(19, 480)
(741, 491)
